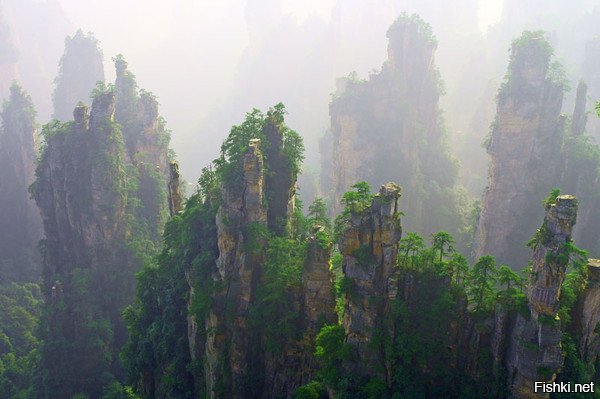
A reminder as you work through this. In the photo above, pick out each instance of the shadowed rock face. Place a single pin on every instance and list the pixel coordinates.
(589, 313)
(175, 197)
(19, 215)
(533, 352)
(233, 349)
(239, 270)
(388, 128)
(369, 245)
(80, 191)
(525, 153)
(146, 143)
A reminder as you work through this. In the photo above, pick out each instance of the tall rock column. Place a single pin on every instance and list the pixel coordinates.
(19, 214)
(525, 152)
(534, 352)
(317, 282)
(147, 145)
(81, 189)
(240, 220)
(80, 68)
(369, 245)
(389, 128)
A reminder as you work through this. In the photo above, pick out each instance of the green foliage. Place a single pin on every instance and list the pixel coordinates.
(358, 199)
(415, 22)
(236, 144)
(442, 242)
(312, 390)
(531, 50)
(331, 351)
(118, 391)
(482, 282)
(317, 214)
(157, 325)
(551, 198)
(355, 201)
(273, 311)
(20, 307)
(409, 247)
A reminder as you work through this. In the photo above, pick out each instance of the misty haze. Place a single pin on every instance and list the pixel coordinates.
(299, 199)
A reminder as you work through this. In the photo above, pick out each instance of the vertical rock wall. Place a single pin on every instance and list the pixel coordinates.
(525, 153)
(534, 352)
(88, 271)
(239, 219)
(388, 128)
(369, 245)
(589, 314)
(19, 259)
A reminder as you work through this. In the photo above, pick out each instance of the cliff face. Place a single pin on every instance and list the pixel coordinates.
(270, 292)
(369, 245)
(18, 213)
(88, 272)
(89, 194)
(238, 221)
(533, 349)
(388, 128)
(525, 152)
(589, 314)
(147, 145)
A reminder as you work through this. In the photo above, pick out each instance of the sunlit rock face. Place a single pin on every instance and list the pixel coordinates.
(533, 351)
(369, 246)
(19, 214)
(525, 153)
(389, 128)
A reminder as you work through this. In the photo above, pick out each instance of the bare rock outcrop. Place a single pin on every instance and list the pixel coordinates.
(175, 197)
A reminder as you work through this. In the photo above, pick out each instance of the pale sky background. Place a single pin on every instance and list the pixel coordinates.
(187, 52)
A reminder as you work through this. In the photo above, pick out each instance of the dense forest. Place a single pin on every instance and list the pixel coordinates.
(379, 266)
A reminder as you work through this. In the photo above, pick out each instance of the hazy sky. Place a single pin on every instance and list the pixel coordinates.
(188, 53)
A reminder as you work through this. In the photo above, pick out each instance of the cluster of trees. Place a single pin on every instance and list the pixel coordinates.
(449, 299)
